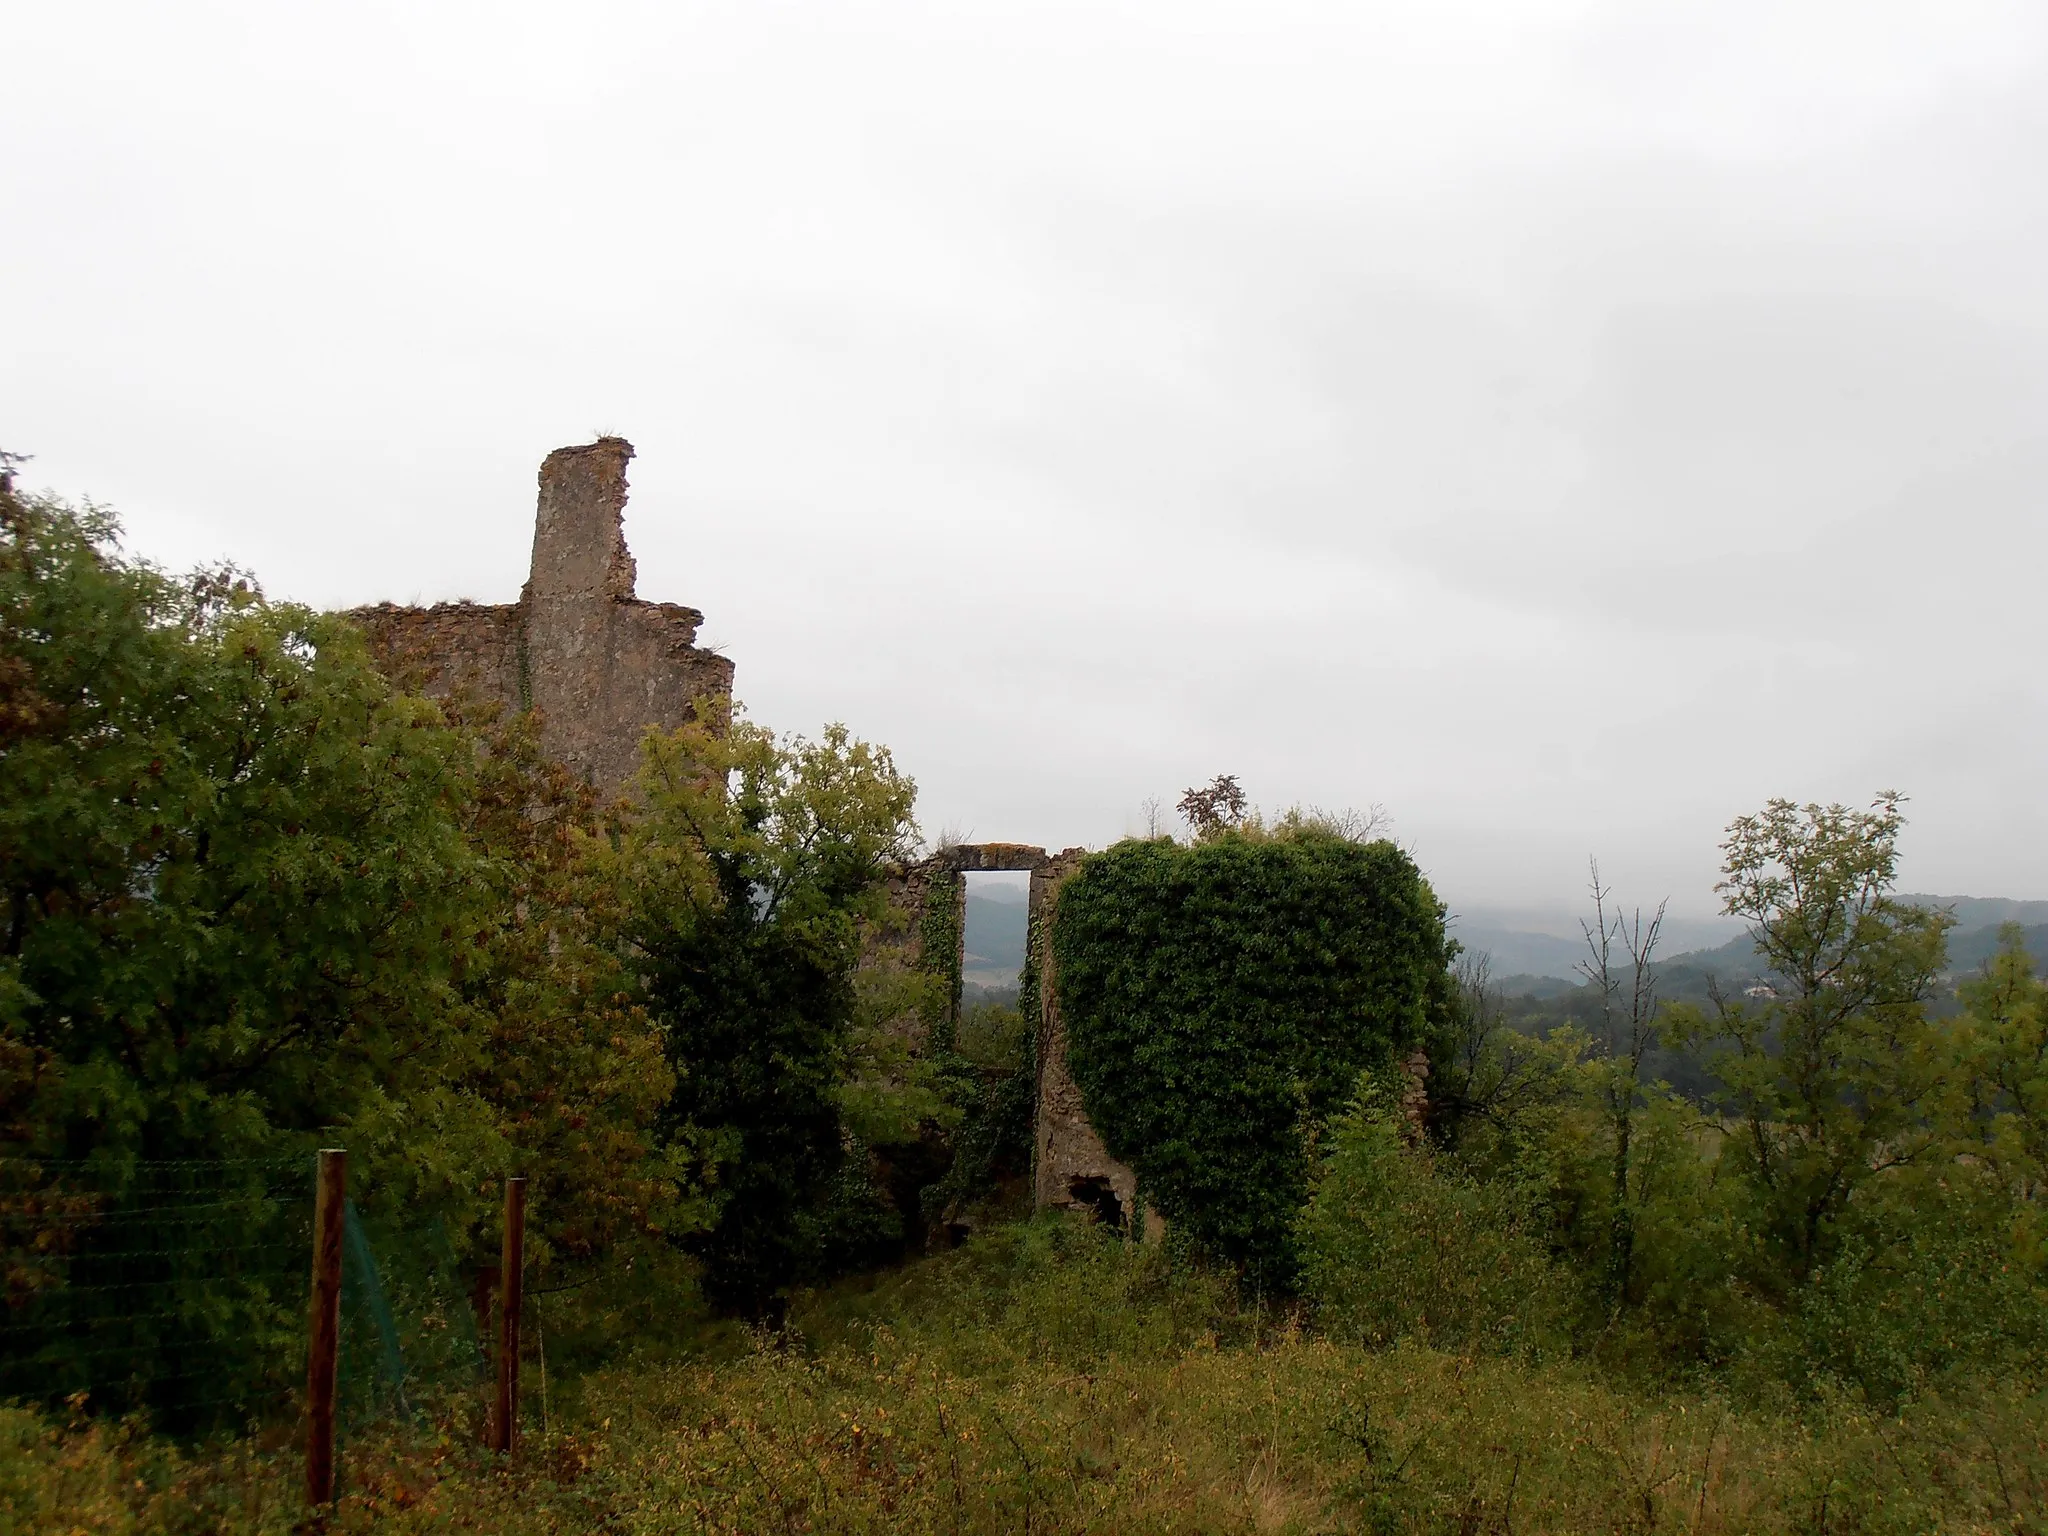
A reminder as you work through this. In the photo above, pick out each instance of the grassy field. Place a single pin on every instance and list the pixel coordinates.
(1048, 1380)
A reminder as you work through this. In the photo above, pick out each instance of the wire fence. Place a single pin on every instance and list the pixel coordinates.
(180, 1290)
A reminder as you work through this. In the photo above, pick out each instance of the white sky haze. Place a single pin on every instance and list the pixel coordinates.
(1567, 424)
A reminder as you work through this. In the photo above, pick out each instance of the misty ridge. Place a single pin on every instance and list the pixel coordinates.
(1523, 960)
(1546, 964)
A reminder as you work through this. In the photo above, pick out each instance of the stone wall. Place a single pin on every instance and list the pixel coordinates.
(599, 664)
(1071, 1168)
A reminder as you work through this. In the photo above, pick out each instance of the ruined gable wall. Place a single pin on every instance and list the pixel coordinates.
(1067, 1153)
(599, 664)
(647, 671)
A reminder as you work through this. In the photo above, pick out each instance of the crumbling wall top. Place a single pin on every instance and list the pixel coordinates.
(579, 536)
(578, 648)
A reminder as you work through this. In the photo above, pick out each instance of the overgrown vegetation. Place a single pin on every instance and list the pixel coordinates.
(258, 898)
(1221, 998)
(1052, 1377)
(750, 876)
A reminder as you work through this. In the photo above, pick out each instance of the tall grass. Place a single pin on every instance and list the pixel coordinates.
(1050, 1379)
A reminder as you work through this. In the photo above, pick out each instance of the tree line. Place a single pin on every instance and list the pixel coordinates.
(258, 898)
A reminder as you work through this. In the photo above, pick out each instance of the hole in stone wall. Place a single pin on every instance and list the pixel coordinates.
(991, 1032)
(1095, 1196)
(992, 939)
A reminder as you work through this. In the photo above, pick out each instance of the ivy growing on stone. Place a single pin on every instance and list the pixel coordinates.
(1220, 1001)
(938, 954)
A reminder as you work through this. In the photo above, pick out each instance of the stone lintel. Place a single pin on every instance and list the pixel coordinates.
(969, 858)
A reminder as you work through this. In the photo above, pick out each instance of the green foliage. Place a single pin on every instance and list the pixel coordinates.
(995, 1088)
(2004, 1043)
(227, 857)
(1399, 1243)
(753, 874)
(1220, 1000)
(1922, 1292)
(1494, 1089)
(548, 1032)
(1050, 1378)
(938, 954)
(1841, 1077)
(255, 900)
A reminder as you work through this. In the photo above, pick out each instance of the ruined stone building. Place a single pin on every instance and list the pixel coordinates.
(597, 662)
(601, 665)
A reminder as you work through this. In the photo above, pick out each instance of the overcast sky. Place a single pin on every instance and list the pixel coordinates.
(1567, 424)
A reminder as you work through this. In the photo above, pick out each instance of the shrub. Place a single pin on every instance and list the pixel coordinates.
(1397, 1243)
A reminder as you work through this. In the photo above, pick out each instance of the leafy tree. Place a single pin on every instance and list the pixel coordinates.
(1493, 1087)
(254, 897)
(758, 863)
(1399, 1242)
(1215, 807)
(2005, 1042)
(1840, 1076)
(229, 879)
(228, 860)
(552, 1066)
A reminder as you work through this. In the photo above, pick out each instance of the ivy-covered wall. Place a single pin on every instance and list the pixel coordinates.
(1220, 1000)
(939, 922)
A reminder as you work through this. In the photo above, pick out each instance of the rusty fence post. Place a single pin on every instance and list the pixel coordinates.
(323, 1349)
(512, 1261)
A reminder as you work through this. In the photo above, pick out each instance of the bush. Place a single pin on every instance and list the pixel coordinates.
(1397, 1244)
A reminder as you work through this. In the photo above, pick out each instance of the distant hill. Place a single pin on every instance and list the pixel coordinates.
(1513, 953)
(1986, 911)
(1972, 941)
(994, 936)
(1537, 964)
(1533, 963)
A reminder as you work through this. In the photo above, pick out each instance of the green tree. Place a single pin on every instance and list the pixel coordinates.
(230, 880)
(254, 897)
(1837, 1076)
(550, 1064)
(1626, 986)
(228, 859)
(756, 868)
(2005, 1022)
(1400, 1241)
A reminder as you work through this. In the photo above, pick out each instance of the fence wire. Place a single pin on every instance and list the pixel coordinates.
(180, 1290)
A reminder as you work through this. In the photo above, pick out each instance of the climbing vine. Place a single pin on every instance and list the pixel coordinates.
(938, 954)
(1221, 999)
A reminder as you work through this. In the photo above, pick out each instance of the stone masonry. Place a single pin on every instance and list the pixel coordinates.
(599, 664)
(1071, 1168)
